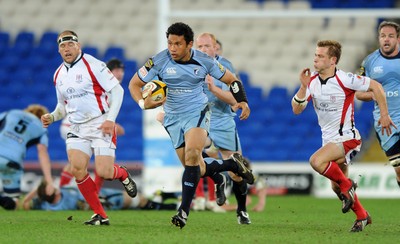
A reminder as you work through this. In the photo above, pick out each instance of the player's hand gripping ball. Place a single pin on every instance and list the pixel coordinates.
(159, 90)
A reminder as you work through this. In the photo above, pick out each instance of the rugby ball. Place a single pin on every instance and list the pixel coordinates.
(158, 88)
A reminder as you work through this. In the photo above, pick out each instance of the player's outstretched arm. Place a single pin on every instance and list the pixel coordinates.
(365, 96)
(44, 160)
(385, 121)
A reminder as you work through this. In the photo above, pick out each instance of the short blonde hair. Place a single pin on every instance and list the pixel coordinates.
(37, 110)
(334, 48)
(213, 38)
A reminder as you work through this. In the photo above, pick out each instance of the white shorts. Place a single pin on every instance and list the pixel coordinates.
(88, 138)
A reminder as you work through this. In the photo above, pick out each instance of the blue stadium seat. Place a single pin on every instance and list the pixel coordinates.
(24, 76)
(114, 52)
(94, 51)
(244, 77)
(130, 69)
(48, 46)
(4, 42)
(4, 78)
(24, 43)
(9, 61)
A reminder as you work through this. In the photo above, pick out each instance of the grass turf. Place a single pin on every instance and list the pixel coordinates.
(286, 219)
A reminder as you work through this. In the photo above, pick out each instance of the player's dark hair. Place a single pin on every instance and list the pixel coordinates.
(41, 191)
(391, 24)
(181, 29)
(114, 63)
(334, 48)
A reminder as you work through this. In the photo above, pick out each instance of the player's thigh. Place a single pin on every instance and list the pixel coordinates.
(195, 138)
(104, 165)
(78, 159)
(327, 153)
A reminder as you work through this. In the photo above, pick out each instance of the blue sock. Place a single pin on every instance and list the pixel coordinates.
(214, 166)
(240, 197)
(190, 179)
(7, 203)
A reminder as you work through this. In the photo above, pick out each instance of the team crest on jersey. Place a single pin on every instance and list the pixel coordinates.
(196, 71)
(149, 64)
(78, 78)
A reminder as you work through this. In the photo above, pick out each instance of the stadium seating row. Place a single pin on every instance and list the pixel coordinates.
(131, 24)
(268, 62)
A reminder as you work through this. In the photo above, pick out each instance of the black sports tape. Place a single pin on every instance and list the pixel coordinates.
(238, 92)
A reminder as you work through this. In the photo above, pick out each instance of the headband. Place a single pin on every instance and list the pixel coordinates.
(70, 38)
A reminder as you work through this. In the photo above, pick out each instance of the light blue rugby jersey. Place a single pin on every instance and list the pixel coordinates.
(184, 80)
(69, 200)
(387, 72)
(18, 131)
(220, 109)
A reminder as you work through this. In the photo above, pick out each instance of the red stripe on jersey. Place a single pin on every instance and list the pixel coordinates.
(311, 80)
(55, 77)
(98, 90)
(349, 101)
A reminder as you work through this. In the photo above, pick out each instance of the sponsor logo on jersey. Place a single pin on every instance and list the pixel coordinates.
(143, 72)
(149, 64)
(378, 69)
(70, 90)
(171, 70)
(392, 93)
(333, 99)
(324, 105)
(221, 67)
(361, 71)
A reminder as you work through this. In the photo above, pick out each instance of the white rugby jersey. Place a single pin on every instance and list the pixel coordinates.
(82, 88)
(333, 101)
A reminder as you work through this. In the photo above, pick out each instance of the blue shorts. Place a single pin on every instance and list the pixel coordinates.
(387, 142)
(178, 124)
(224, 134)
(11, 175)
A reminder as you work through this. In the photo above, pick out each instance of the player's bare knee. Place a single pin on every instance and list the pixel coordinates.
(314, 162)
(192, 156)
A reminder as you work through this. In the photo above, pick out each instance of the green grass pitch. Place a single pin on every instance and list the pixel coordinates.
(286, 219)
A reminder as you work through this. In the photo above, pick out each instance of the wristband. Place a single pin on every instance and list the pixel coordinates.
(238, 92)
(298, 100)
(141, 104)
(301, 102)
(52, 118)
